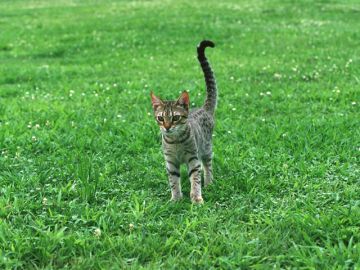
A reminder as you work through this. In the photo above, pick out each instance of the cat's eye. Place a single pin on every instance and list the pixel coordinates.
(160, 118)
(176, 118)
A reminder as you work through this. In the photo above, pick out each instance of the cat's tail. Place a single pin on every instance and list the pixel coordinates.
(211, 88)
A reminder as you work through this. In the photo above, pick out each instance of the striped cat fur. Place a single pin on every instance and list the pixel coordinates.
(187, 135)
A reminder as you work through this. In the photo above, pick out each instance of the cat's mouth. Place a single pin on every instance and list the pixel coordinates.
(169, 131)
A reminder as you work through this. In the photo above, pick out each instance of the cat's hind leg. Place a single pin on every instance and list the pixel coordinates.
(207, 167)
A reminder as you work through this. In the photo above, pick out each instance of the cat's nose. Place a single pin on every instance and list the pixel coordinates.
(167, 126)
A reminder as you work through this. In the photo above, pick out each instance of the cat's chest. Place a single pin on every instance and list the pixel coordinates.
(180, 152)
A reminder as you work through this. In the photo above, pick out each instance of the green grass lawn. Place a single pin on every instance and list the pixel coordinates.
(82, 177)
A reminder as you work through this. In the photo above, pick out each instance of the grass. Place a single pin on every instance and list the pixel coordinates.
(82, 179)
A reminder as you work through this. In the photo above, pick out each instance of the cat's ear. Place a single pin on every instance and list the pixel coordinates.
(184, 100)
(155, 100)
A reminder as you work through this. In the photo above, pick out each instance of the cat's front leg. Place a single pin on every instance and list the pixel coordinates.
(195, 180)
(173, 170)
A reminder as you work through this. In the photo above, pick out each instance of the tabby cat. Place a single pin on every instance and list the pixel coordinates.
(187, 135)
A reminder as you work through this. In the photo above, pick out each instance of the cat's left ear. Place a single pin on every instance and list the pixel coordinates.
(155, 101)
(184, 100)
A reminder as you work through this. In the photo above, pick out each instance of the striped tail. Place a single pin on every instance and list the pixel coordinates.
(211, 89)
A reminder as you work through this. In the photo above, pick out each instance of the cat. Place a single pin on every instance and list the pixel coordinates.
(187, 135)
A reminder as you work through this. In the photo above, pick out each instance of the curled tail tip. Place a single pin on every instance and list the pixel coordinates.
(201, 47)
(206, 43)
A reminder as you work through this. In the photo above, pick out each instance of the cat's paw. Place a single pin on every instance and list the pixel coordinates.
(176, 198)
(197, 200)
(208, 183)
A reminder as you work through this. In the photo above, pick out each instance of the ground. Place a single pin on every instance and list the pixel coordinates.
(82, 177)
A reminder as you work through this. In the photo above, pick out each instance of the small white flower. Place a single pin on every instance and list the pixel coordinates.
(268, 93)
(105, 120)
(277, 76)
(37, 126)
(97, 232)
(231, 78)
(234, 109)
(96, 94)
(263, 119)
(44, 201)
(47, 123)
(353, 103)
(229, 131)
(33, 138)
(149, 113)
(131, 226)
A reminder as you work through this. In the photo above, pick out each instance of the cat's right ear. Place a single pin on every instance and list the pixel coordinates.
(184, 100)
(156, 102)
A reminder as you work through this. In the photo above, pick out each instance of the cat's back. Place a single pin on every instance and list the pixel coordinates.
(201, 119)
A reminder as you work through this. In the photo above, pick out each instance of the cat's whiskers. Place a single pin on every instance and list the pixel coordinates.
(175, 131)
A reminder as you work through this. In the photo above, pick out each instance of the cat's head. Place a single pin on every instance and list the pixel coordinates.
(171, 115)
